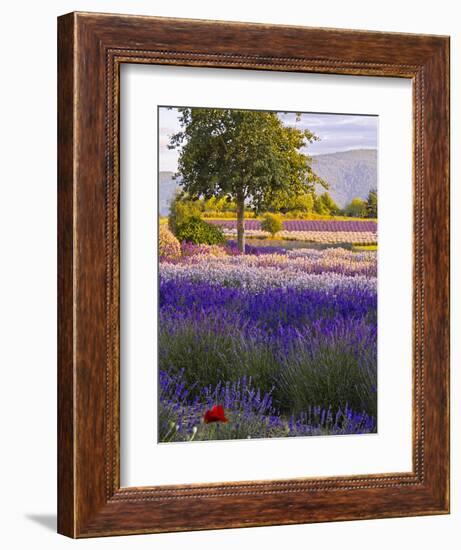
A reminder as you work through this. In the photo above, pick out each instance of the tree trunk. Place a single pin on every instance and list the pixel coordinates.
(241, 223)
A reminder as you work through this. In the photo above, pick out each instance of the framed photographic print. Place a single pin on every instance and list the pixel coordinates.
(253, 275)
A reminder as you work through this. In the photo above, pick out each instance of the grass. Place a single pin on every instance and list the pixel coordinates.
(211, 358)
(334, 375)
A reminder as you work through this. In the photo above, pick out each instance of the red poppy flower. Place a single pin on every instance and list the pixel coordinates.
(215, 414)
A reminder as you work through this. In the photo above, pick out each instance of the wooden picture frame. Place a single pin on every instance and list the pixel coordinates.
(92, 47)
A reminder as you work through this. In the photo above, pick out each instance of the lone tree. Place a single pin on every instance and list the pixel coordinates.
(245, 156)
(357, 208)
(372, 204)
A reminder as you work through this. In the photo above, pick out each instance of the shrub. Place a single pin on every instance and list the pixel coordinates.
(168, 245)
(271, 223)
(197, 231)
(181, 211)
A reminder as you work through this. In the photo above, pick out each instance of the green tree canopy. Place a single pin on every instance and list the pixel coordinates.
(284, 203)
(247, 156)
(324, 204)
(372, 204)
(357, 208)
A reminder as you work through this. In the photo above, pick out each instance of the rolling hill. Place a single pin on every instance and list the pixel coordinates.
(350, 174)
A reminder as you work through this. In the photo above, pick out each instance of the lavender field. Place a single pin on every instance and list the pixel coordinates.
(267, 321)
(356, 226)
(310, 231)
(275, 342)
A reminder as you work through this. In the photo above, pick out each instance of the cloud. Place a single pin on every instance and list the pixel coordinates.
(337, 132)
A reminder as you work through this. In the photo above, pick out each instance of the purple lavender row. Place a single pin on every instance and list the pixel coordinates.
(357, 335)
(271, 307)
(306, 225)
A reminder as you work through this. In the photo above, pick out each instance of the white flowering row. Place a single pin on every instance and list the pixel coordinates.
(337, 260)
(244, 275)
(336, 253)
(322, 237)
(330, 237)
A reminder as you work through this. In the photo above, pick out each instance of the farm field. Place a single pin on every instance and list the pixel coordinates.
(306, 225)
(283, 339)
(310, 231)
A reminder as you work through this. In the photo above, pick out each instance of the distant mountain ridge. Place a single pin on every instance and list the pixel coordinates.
(166, 192)
(350, 174)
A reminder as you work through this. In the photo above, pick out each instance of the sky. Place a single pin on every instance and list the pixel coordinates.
(337, 132)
